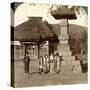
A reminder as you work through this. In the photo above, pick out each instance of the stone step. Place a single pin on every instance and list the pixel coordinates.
(70, 63)
(64, 44)
(71, 68)
(68, 68)
(68, 53)
(77, 63)
(77, 68)
(64, 47)
(69, 58)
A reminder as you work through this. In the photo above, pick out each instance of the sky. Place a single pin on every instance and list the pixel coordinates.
(26, 10)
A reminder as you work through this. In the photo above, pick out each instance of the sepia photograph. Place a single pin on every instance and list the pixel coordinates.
(49, 44)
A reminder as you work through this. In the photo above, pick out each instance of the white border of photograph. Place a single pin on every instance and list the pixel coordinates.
(5, 45)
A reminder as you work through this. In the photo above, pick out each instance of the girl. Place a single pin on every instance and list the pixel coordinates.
(41, 65)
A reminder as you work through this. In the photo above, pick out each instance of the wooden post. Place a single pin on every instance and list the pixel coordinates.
(25, 49)
(48, 49)
(38, 50)
(20, 52)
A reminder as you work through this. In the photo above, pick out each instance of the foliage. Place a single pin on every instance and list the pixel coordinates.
(80, 44)
(85, 40)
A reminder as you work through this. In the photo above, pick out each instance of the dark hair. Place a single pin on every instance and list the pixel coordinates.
(27, 52)
(57, 54)
(41, 56)
(46, 55)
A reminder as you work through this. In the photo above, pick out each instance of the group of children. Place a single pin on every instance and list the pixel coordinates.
(46, 63)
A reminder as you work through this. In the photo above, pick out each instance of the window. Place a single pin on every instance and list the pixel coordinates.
(21, 47)
(17, 47)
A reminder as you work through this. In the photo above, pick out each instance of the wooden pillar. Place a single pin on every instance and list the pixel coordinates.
(25, 49)
(20, 50)
(38, 50)
(48, 49)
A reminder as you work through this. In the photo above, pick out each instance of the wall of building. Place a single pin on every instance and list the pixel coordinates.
(19, 52)
(45, 47)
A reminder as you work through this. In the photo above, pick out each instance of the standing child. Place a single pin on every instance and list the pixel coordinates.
(41, 65)
(46, 64)
(52, 63)
(57, 63)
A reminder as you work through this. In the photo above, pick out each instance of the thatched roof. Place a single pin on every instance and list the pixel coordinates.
(63, 13)
(33, 30)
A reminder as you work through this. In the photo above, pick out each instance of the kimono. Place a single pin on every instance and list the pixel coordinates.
(46, 64)
(40, 65)
(26, 64)
(57, 64)
(52, 64)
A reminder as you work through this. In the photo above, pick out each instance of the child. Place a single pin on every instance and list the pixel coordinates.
(57, 63)
(41, 65)
(46, 64)
(52, 62)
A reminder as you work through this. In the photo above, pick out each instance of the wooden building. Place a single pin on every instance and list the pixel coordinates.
(33, 36)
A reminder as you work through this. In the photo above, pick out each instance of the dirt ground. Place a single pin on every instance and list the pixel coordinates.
(36, 79)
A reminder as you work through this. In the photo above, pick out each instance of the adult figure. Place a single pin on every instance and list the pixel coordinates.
(26, 63)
